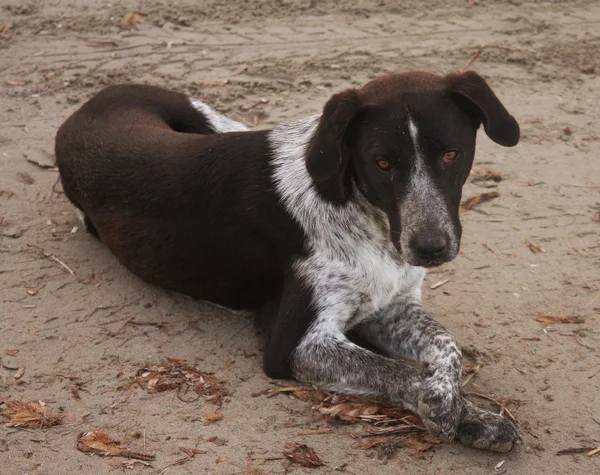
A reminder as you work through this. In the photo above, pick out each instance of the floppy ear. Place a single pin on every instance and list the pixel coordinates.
(326, 157)
(499, 125)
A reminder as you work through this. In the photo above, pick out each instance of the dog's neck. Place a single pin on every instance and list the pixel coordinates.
(359, 221)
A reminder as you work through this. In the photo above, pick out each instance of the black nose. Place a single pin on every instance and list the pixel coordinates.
(429, 246)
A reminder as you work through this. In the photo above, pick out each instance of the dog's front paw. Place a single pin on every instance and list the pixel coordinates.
(485, 430)
(440, 407)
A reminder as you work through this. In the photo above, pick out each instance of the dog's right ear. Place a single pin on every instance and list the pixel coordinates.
(326, 157)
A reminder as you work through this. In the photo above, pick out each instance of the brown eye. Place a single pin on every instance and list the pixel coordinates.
(450, 156)
(384, 164)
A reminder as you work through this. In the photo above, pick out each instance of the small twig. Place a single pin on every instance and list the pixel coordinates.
(501, 405)
(259, 102)
(315, 432)
(469, 378)
(593, 452)
(172, 464)
(575, 450)
(439, 284)
(393, 430)
(580, 186)
(472, 59)
(55, 259)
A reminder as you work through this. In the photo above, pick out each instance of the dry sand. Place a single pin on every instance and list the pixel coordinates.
(97, 329)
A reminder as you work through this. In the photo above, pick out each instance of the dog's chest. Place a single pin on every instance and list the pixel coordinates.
(350, 289)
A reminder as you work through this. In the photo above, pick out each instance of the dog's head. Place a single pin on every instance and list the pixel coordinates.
(407, 141)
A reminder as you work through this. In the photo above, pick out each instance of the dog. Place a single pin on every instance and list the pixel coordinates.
(322, 226)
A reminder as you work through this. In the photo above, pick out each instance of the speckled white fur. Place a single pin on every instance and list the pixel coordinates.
(342, 265)
(424, 204)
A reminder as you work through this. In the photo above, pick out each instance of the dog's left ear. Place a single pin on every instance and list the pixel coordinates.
(326, 156)
(499, 125)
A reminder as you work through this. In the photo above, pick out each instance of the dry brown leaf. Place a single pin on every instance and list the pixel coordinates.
(31, 415)
(11, 352)
(188, 452)
(417, 445)
(303, 455)
(477, 199)
(356, 409)
(213, 417)
(552, 319)
(99, 442)
(370, 444)
(174, 374)
(75, 393)
(482, 174)
(221, 459)
(131, 20)
(19, 373)
(535, 248)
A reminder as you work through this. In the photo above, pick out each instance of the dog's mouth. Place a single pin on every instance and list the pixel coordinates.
(428, 261)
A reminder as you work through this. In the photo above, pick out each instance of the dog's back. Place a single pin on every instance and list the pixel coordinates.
(163, 188)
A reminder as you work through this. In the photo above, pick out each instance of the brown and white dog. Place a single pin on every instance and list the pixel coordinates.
(322, 226)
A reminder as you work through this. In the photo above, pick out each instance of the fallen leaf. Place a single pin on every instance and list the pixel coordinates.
(587, 69)
(5, 28)
(221, 459)
(11, 352)
(99, 442)
(217, 441)
(535, 248)
(417, 445)
(75, 393)
(303, 455)
(370, 444)
(354, 409)
(130, 20)
(477, 199)
(175, 375)
(28, 414)
(552, 319)
(188, 452)
(213, 417)
(19, 373)
(482, 174)
(15, 83)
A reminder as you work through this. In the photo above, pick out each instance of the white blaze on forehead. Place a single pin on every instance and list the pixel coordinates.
(414, 135)
(423, 204)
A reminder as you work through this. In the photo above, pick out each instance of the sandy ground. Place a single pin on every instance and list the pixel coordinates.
(95, 330)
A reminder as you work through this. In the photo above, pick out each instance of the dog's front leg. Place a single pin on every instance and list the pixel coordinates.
(329, 360)
(405, 330)
(306, 341)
